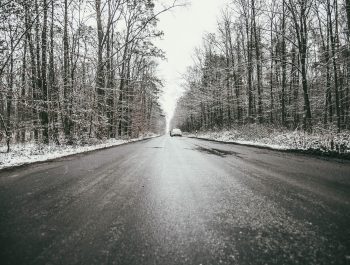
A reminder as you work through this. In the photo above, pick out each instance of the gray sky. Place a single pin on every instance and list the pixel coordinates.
(183, 31)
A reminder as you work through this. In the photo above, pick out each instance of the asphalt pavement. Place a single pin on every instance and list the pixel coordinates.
(177, 201)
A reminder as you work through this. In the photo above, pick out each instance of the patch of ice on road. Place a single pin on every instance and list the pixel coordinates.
(21, 154)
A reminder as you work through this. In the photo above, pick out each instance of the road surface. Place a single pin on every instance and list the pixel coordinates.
(177, 201)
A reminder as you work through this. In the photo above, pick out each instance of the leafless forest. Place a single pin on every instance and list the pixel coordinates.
(276, 63)
(73, 70)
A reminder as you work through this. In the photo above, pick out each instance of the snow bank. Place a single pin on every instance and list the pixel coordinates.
(21, 154)
(320, 140)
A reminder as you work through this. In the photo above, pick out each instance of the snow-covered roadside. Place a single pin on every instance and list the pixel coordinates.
(21, 154)
(322, 142)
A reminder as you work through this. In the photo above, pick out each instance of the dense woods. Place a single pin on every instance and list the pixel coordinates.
(75, 70)
(283, 63)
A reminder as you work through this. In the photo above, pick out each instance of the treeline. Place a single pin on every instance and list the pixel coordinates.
(278, 62)
(78, 69)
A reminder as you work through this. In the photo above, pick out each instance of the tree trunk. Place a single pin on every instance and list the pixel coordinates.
(44, 108)
(100, 69)
(284, 66)
(258, 62)
(335, 70)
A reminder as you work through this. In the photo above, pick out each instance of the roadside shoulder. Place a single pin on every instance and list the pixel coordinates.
(23, 155)
(310, 151)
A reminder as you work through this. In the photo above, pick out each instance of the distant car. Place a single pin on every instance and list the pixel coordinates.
(175, 132)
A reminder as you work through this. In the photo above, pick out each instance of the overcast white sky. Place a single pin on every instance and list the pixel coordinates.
(183, 31)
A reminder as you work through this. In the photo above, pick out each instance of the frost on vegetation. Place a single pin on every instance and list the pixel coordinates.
(31, 152)
(322, 140)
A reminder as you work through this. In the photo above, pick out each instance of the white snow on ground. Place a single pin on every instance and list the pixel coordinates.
(28, 153)
(255, 135)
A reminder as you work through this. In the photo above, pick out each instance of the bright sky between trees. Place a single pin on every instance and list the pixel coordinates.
(183, 31)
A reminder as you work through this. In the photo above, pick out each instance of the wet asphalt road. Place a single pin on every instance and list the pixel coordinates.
(177, 201)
